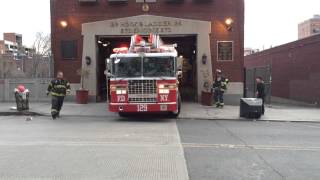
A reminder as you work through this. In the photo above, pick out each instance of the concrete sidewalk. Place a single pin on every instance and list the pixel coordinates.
(272, 113)
(189, 111)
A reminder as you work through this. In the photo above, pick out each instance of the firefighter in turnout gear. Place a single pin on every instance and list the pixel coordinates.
(219, 87)
(58, 88)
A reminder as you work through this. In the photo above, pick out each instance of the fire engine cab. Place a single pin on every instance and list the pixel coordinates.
(144, 77)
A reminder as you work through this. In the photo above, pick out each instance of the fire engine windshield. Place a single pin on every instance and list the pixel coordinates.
(158, 66)
(126, 67)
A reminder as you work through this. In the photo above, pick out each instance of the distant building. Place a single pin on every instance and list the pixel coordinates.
(309, 27)
(2, 47)
(249, 51)
(13, 37)
(12, 45)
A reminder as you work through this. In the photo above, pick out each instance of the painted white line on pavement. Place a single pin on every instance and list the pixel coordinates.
(82, 143)
(178, 145)
(257, 147)
(185, 174)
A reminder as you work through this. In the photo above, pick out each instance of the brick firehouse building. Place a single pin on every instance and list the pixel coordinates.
(209, 35)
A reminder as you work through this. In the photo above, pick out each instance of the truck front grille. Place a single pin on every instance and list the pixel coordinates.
(142, 91)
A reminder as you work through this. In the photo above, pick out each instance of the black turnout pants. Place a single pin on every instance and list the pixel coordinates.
(218, 97)
(56, 105)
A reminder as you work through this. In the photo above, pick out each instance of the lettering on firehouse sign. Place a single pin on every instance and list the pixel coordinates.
(121, 98)
(164, 97)
(142, 107)
(141, 27)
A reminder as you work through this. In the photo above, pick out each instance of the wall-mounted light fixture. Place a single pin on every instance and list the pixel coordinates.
(145, 6)
(88, 60)
(204, 59)
(229, 23)
(63, 24)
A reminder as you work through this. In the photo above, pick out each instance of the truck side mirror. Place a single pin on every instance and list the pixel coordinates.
(108, 73)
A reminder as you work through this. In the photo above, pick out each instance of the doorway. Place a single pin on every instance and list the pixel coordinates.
(105, 47)
(187, 51)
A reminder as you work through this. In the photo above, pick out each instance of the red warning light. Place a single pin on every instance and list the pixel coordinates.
(121, 50)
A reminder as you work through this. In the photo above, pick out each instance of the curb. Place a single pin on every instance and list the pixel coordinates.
(31, 113)
(245, 119)
(20, 113)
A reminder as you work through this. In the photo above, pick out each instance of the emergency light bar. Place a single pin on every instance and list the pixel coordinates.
(120, 50)
(154, 44)
(138, 44)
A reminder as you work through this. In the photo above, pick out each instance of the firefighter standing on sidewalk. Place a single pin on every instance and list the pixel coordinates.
(219, 87)
(58, 88)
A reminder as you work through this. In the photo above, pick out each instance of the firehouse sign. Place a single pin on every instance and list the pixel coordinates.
(140, 27)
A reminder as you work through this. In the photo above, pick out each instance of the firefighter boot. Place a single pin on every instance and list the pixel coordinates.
(54, 115)
(221, 105)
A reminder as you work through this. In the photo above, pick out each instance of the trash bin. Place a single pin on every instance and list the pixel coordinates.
(250, 108)
(22, 98)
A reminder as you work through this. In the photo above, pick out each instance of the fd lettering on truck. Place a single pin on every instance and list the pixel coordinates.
(144, 77)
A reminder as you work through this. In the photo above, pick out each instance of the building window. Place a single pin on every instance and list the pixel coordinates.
(146, 1)
(174, 1)
(118, 1)
(202, 1)
(225, 50)
(87, 2)
(316, 30)
(69, 49)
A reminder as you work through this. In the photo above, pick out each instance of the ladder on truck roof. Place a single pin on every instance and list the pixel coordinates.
(154, 44)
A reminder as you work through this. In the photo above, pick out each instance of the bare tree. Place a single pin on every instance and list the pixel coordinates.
(42, 52)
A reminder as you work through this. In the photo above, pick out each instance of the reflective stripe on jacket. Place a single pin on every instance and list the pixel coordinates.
(59, 87)
(220, 84)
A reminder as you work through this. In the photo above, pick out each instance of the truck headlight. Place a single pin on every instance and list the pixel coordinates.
(118, 91)
(164, 91)
(121, 91)
(161, 86)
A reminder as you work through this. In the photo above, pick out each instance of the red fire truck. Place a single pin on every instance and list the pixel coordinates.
(144, 77)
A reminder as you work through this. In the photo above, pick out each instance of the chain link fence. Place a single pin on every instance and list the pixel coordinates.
(251, 85)
(26, 67)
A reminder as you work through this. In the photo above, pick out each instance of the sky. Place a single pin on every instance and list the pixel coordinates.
(267, 22)
(26, 17)
(275, 22)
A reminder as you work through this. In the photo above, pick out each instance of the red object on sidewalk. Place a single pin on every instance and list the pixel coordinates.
(206, 98)
(82, 96)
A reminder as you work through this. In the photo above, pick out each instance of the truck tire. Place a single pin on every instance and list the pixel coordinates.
(177, 113)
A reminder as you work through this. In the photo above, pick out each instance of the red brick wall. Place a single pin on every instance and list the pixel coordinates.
(215, 11)
(10, 37)
(295, 69)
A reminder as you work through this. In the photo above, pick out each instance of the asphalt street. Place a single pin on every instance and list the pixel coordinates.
(157, 148)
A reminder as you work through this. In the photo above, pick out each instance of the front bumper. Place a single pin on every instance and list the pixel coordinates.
(143, 107)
